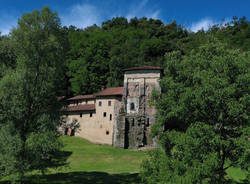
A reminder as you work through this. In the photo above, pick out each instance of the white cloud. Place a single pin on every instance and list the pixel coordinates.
(81, 16)
(204, 24)
(88, 13)
(140, 10)
(155, 15)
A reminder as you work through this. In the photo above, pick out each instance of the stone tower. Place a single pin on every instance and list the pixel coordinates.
(132, 127)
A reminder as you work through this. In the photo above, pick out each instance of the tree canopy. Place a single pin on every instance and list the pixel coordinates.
(29, 109)
(98, 54)
(205, 109)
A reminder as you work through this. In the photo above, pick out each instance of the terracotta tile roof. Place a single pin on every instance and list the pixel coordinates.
(85, 107)
(143, 68)
(111, 92)
(79, 97)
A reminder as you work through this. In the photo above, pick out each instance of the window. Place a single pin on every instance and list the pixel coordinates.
(132, 106)
(104, 114)
(90, 115)
(107, 132)
(133, 122)
(110, 117)
(109, 103)
(100, 103)
(86, 101)
(81, 115)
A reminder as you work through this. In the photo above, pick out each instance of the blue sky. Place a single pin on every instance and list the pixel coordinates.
(192, 14)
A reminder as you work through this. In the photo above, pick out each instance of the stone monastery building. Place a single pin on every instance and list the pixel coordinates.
(119, 116)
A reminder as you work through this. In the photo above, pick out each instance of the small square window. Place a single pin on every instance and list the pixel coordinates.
(109, 103)
(81, 115)
(110, 117)
(100, 103)
(90, 115)
(104, 114)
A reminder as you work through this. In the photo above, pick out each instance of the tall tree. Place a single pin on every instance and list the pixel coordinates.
(29, 109)
(204, 107)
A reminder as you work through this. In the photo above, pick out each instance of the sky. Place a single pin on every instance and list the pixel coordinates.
(192, 14)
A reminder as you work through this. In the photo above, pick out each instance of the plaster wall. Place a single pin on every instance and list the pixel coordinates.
(105, 124)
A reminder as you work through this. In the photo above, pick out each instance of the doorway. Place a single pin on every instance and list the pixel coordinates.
(126, 137)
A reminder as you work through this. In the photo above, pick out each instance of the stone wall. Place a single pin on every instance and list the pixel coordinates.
(137, 115)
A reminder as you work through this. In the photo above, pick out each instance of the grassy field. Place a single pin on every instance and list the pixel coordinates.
(98, 164)
(92, 164)
(90, 157)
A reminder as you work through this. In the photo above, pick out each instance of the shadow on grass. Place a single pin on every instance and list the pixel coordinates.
(59, 159)
(82, 178)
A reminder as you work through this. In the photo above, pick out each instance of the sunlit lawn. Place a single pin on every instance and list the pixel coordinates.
(90, 163)
(98, 164)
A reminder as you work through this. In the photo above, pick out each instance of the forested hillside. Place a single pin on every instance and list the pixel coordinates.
(95, 56)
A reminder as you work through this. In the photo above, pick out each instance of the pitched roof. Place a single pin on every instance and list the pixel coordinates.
(79, 97)
(143, 68)
(85, 107)
(111, 92)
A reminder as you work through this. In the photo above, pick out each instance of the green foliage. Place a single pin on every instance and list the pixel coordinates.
(7, 55)
(235, 33)
(89, 69)
(98, 54)
(204, 108)
(29, 109)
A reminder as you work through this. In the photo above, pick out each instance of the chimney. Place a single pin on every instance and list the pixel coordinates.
(103, 88)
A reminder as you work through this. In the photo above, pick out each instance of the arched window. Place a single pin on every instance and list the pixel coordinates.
(132, 106)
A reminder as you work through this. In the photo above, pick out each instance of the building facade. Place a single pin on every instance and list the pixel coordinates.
(120, 116)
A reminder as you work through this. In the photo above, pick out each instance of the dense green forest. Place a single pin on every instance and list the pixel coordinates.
(98, 54)
(204, 101)
(95, 56)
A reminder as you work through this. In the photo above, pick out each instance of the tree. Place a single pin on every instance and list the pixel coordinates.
(98, 54)
(204, 107)
(7, 55)
(29, 109)
(88, 65)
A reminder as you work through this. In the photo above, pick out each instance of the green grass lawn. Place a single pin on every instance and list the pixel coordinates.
(90, 157)
(98, 164)
(92, 164)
